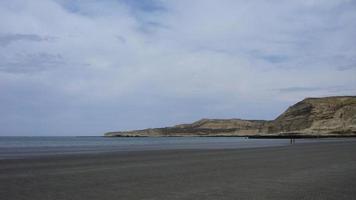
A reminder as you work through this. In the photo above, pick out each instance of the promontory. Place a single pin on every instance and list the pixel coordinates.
(314, 117)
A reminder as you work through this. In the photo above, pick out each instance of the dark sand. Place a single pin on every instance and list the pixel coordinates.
(301, 171)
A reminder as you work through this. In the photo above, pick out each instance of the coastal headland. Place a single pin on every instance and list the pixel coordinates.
(312, 117)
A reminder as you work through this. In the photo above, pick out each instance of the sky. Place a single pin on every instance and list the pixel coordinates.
(85, 67)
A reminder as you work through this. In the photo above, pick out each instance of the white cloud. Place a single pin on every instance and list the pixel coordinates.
(133, 65)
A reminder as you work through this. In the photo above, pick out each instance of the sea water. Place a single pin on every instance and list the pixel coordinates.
(21, 147)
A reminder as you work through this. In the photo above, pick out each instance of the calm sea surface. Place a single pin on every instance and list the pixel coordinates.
(21, 147)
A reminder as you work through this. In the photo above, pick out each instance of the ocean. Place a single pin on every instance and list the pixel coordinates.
(22, 147)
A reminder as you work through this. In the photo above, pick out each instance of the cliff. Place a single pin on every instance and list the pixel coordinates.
(318, 116)
(328, 116)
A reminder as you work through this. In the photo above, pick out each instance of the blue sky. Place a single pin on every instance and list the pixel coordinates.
(87, 67)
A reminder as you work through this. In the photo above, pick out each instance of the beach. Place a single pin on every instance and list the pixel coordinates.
(300, 171)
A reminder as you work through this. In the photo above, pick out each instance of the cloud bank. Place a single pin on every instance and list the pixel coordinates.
(87, 67)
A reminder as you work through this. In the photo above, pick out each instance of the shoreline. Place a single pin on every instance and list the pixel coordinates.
(11, 149)
(298, 171)
(238, 136)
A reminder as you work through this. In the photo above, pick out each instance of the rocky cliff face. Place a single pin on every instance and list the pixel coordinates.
(313, 116)
(328, 116)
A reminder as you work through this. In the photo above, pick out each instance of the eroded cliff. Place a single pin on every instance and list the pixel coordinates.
(328, 116)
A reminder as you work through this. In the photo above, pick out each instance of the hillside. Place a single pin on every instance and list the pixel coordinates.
(328, 116)
(318, 116)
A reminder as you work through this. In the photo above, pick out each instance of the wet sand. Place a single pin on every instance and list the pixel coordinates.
(300, 171)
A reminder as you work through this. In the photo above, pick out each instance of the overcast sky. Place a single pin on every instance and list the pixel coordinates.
(72, 67)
